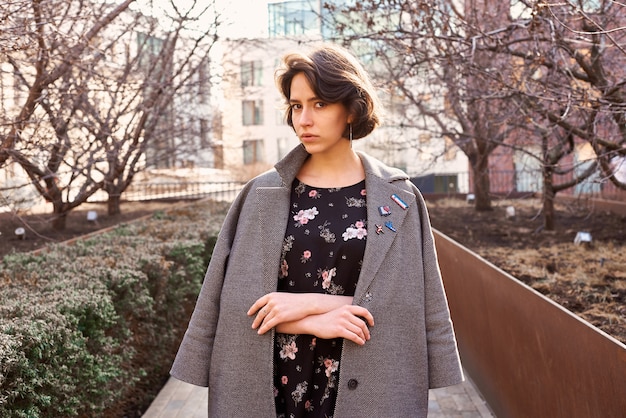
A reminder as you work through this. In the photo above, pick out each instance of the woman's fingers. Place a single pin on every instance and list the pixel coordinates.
(349, 322)
(357, 327)
(259, 304)
(263, 320)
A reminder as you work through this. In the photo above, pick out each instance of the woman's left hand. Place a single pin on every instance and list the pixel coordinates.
(279, 307)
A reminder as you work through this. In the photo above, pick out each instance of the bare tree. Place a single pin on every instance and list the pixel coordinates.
(569, 81)
(155, 99)
(579, 45)
(526, 74)
(102, 86)
(426, 51)
(51, 38)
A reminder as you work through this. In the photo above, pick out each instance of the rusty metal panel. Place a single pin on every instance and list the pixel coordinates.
(528, 356)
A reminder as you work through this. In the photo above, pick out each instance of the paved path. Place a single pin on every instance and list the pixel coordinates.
(182, 400)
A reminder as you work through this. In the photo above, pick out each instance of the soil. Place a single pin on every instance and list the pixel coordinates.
(38, 231)
(589, 279)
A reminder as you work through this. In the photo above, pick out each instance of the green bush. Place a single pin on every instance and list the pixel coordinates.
(81, 325)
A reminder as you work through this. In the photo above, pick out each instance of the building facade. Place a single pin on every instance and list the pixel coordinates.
(255, 134)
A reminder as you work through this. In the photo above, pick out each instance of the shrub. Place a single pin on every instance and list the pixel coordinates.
(81, 325)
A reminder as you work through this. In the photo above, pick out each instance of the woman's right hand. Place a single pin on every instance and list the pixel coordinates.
(276, 308)
(351, 322)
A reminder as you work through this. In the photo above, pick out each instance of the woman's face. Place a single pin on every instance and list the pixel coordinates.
(318, 124)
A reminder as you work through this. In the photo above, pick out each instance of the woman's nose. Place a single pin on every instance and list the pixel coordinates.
(305, 117)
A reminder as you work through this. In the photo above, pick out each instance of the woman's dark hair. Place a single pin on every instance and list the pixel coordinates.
(336, 77)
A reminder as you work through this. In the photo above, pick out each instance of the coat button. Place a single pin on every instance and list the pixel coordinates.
(352, 384)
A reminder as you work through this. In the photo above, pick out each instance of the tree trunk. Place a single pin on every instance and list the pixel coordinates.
(114, 204)
(548, 200)
(59, 222)
(480, 170)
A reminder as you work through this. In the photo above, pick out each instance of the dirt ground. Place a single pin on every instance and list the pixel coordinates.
(39, 231)
(587, 279)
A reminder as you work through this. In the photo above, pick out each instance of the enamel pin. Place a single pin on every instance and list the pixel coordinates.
(389, 225)
(379, 229)
(399, 201)
(384, 210)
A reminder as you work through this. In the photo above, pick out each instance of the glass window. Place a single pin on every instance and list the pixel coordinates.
(290, 18)
(252, 112)
(251, 73)
(253, 151)
(149, 47)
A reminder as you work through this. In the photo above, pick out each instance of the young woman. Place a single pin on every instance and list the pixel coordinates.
(323, 296)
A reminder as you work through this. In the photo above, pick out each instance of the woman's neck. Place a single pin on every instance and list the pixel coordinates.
(337, 171)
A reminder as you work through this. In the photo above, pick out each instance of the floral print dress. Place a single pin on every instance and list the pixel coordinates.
(322, 252)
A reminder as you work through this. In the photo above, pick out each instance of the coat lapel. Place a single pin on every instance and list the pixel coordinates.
(273, 213)
(379, 192)
(273, 204)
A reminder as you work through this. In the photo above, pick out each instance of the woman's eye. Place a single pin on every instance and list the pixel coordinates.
(320, 104)
(296, 106)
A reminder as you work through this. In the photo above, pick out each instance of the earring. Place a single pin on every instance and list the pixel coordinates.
(350, 125)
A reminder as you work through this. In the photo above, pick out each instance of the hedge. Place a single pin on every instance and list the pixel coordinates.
(81, 325)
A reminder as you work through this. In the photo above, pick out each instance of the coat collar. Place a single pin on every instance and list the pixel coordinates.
(381, 182)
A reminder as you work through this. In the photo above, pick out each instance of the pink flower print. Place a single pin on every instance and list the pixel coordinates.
(306, 256)
(305, 215)
(284, 269)
(313, 194)
(363, 192)
(308, 406)
(284, 380)
(327, 277)
(357, 230)
(289, 351)
(331, 366)
(349, 234)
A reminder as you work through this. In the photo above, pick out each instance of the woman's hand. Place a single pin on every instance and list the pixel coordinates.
(348, 321)
(279, 307)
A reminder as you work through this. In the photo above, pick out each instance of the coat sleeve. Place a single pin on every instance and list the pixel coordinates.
(192, 361)
(443, 357)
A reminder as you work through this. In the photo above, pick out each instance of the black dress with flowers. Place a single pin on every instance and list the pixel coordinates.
(322, 252)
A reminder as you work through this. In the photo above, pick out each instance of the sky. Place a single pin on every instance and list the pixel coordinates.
(244, 18)
(240, 18)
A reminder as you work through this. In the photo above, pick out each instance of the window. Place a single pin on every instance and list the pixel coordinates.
(253, 151)
(281, 120)
(251, 73)
(149, 49)
(252, 112)
(290, 18)
(527, 170)
(284, 146)
(591, 6)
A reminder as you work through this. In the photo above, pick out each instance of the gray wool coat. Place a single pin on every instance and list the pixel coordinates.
(412, 346)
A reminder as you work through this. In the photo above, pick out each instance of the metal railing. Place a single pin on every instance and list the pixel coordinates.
(222, 191)
(502, 182)
(512, 182)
